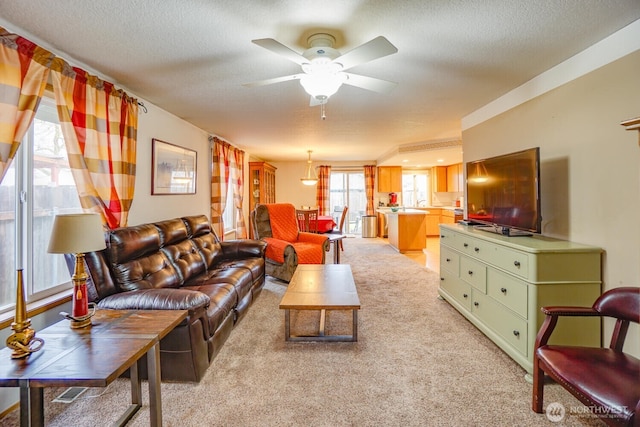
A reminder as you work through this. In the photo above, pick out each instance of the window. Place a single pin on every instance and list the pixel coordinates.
(347, 188)
(37, 186)
(415, 188)
(229, 214)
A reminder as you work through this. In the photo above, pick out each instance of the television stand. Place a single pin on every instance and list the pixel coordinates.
(505, 231)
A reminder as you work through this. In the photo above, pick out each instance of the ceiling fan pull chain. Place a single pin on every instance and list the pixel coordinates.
(322, 114)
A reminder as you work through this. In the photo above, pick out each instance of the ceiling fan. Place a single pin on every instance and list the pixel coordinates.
(323, 67)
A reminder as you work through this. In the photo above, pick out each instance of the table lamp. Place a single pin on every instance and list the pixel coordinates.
(77, 234)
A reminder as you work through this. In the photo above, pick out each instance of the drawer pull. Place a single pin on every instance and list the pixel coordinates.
(516, 263)
(516, 333)
(477, 249)
(503, 290)
(470, 273)
(448, 259)
(442, 278)
(466, 245)
(465, 295)
(442, 236)
(477, 304)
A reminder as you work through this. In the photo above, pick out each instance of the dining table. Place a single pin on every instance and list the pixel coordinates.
(325, 223)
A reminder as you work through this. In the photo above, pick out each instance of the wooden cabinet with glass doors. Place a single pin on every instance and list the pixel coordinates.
(262, 185)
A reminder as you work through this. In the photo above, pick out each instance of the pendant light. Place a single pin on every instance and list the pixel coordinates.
(310, 177)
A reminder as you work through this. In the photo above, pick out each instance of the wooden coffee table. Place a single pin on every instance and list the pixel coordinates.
(92, 357)
(321, 287)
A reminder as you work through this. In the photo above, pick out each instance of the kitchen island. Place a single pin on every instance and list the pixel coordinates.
(407, 229)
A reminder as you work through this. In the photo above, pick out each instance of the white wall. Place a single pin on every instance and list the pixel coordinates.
(590, 165)
(159, 124)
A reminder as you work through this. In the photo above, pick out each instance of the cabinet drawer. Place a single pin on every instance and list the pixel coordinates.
(510, 260)
(508, 291)
(474, 247)
(456, 288)
(449, 260)
(503, 321)
(474, 273)
(448, 237)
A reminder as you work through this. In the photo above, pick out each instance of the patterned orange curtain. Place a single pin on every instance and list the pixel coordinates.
(99, 124)
(369, 187)
(219, 182)
(237, 167)
(24, 68)
(322, 190)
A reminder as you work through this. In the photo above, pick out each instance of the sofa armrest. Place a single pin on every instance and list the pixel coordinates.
(243, 248)
(157, 299)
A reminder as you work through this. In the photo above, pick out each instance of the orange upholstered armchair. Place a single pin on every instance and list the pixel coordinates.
(287, 246)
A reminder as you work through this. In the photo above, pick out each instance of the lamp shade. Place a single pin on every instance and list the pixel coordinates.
(76, 233)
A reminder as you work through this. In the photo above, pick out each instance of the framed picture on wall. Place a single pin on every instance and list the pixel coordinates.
(173, 169)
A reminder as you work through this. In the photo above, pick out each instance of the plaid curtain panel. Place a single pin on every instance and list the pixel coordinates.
(322, 190)
(24, 68)
(219, 182)
(99, 124)
(369, 187)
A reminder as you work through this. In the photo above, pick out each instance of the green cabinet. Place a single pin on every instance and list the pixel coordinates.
(499, 284)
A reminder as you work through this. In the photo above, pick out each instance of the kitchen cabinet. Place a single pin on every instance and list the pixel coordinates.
(455, 178)
(439, 179)
(499, 284)
(389, 179)
(262, 185)
(406, 230)
(433, 222)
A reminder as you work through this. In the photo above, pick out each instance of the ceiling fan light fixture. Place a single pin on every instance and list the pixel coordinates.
(322, 85)
(310, 177)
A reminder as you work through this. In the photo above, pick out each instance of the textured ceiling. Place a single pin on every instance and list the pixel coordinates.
(191, 57)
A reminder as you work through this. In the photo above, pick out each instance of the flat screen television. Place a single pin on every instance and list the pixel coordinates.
(503, 193)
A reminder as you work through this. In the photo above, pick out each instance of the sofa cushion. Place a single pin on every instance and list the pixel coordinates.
(172, 231)
(255, 266)
(223, 300)
(185, 258)
(209, 248)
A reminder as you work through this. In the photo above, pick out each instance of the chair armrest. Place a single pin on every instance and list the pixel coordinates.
(157, 299)
(551, 319)
(277, 248)
(570, 311)
(319, 239)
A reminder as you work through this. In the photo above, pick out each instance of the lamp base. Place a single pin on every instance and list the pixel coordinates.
(80, 322)
(77, 324)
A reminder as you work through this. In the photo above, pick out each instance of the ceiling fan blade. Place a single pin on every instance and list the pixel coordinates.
(272, 81)
(280, 49)
(370, 83)
(373, 49)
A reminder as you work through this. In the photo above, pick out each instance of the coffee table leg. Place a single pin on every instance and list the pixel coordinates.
(355, 325)
(136, 385)
(155, 399)
(287, 325)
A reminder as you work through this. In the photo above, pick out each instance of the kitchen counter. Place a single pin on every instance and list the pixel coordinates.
(407, 229)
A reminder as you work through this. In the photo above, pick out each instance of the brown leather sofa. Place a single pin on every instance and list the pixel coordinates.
(179, 264)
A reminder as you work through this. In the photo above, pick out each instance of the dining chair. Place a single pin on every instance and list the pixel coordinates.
(307, 220)
(340, 228)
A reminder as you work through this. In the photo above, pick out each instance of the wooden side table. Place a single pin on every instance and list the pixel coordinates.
(93, 357)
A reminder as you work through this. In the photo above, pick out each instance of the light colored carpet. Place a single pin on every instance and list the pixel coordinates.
(418, 362)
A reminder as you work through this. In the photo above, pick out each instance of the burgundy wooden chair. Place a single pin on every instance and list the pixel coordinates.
(607, 380)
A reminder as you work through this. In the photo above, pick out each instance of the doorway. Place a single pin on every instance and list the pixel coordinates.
(347, 188)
